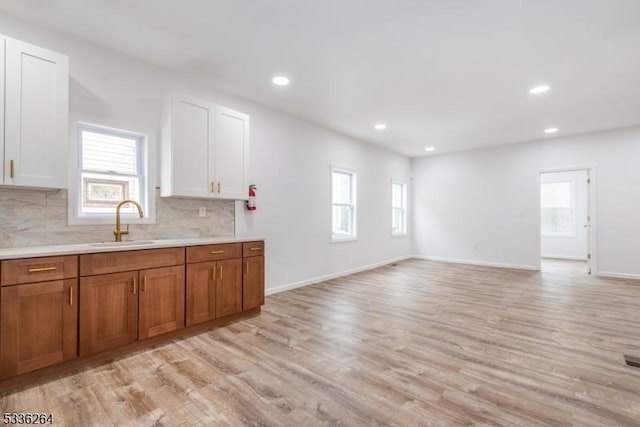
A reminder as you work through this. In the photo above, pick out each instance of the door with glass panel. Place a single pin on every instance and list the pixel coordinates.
(565, 218)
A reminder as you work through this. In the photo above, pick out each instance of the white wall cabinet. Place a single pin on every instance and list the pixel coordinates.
(36, 110)
(205, 150)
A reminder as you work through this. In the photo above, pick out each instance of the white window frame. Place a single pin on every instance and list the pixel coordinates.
(336, 238)
(404, 207)
(147, 165)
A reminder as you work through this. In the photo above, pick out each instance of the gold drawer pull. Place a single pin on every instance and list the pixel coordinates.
(133, 286)
(144, 283)
(42, 269)
(255, 249)
(11, 170)
(216, 252)
(220, 272)
(71, 296)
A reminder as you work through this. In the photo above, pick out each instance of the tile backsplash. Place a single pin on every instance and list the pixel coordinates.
(35, 218)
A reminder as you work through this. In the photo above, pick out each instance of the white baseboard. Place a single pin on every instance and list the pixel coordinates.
(569, 257)
(318, 279)
(617, 275)
(482, 263)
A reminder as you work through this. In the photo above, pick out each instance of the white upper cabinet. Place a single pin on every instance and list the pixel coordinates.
(231, 154)
(36, 102)
(205, 150)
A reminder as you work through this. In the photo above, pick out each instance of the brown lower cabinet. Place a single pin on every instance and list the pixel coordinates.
(38, 313)
(214, 288)
(49, 316)
(121, 307)
(39, 324)
(253, 280)
(253, 283)
(108, 311)
(161, 301)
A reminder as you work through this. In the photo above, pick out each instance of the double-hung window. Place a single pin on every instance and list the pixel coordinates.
(398, 208)
(113, 165)
(343, 205)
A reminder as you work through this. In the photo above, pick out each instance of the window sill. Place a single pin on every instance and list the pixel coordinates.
(344, 240)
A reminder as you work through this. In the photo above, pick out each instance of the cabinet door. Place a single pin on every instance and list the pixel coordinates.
(161, 301)
(108, 311)
(201, 292)
(185, 151)
(36, 116)
(253, 283)
(39, 326)
(228, 287)
(231, 154)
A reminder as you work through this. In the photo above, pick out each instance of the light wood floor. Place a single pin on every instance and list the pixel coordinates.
(563, 266)
(417, 343)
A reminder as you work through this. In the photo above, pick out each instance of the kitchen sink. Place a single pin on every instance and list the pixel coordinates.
(124, 243)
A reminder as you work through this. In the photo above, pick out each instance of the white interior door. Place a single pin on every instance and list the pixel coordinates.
(565, 226)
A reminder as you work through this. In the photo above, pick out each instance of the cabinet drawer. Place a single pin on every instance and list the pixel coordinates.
(112, 262)
(214, 252)
(252, 249)
(32, 270)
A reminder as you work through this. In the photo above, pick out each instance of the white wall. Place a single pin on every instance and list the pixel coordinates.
(573, 246)
(290, 160)
(482, 206)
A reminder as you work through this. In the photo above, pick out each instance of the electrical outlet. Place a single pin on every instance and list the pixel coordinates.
(202, 212)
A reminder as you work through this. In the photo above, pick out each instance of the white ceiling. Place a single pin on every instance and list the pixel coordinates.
(453, 74)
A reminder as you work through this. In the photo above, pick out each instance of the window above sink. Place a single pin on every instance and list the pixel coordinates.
(112, 164)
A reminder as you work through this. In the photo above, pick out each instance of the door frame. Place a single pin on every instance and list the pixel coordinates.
(591, 212)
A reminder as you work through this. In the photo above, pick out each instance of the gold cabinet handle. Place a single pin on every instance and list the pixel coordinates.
(220, 272)
(42, 269)
(144, 283)
(71, 296)
(216, 252)
(133, 286)
(12, 169)
(212, 184)
(255, 249)
(218, 187)
(213, 273)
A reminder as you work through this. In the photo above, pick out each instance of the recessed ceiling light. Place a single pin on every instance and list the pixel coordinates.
(429, 148)
(380, 126)
(551, 130)
(539, 89)
(280, 81)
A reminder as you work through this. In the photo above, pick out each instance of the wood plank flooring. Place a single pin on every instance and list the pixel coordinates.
(416, 343)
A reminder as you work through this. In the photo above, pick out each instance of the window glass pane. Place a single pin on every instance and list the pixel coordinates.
(396, 195)
(555, 195)
(103, 192)
(342, 220)
(341, 192)
(557, 212)
(557, 221)
(109, 153)
(397, 220)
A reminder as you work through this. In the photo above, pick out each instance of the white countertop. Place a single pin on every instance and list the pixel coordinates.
(87, 248)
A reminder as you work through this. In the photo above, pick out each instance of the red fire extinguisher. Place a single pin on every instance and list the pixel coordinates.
(251, 203)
